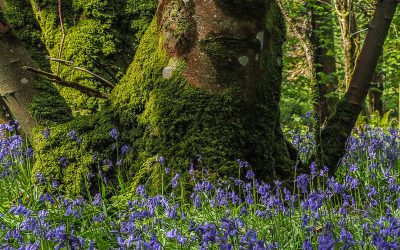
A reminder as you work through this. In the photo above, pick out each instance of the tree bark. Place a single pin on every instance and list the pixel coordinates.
(323, 43)
(29, 100)
(205, 81)
(340, 125)
(375, 94)
(350, 37)
(222, 74)
(16, 89)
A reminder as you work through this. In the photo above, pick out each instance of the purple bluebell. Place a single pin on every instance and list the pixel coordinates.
(46, 133)
(29, 152)
(250, 174)
(307, 245)
(63, 161)
(114, 133)
(161, 160)
(72, 135)
(172, 234)
(125, 149)
(96, 200)
(175, 180)
(40, 178)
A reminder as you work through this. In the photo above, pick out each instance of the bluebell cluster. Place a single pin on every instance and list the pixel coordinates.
(357, 209)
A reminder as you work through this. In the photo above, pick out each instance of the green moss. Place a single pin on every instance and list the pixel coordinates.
(98, 37)
(20, 17)
(169, 117)
(94, 133)
(47, 106)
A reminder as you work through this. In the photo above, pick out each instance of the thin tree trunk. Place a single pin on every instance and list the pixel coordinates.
(340, 125)
(350, 37)
(375, 95)
(324, 57)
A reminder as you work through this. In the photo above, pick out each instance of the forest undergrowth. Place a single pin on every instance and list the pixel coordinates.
(359, 208)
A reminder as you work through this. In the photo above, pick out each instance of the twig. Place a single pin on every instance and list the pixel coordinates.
(65, 62)
(102, 66)
(360, 31)
(63, 35)
(70, 64)
(86, 90)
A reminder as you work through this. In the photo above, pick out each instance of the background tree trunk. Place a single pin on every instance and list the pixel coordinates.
(340, 125)
(350, 37)
(323, 42)
(375, 94)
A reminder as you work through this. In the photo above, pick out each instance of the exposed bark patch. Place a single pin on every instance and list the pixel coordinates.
(176, 19)
(220, 50)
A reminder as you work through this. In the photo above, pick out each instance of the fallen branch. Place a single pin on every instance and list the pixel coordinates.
(83, 89)
(70, 64)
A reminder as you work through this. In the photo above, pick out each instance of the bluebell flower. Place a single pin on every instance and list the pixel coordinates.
(307, 245)
(99, 217)
(55, 184)
(242, 164)
(141, 190)
(324, 171)
(114, 133)
(29, 152)
(243, 211)
(250, 174)
(20, 210)
(40, 178)
(313, 168)
(91, 245)
(191, 169)
(353, 168)
(72, 135)
(175, 180)
(325, 240)
(225, 246)
(96, 200)
(161, 160)
(181, 240)
(125, 149)
(173, 233)
(64, 162)
(46, 133)
(303, 182)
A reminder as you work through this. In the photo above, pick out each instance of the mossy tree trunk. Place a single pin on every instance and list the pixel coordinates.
(205, 80)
